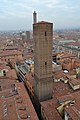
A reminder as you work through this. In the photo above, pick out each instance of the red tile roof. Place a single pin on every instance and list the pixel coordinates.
(17, 106)
(9, 53)
(4, 67)
(75, 81)
(72, 111)
(60, 89)
(11, 74)
(74, 43)
(50, 110)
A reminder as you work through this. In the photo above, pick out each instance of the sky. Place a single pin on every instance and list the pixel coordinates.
(17, 14)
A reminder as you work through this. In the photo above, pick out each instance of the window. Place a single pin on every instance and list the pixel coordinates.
(0, 88)
(45, 64)
(4, 72)
(45, 34)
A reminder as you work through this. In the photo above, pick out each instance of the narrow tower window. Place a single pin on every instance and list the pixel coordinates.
(45, 34)
(45, 64)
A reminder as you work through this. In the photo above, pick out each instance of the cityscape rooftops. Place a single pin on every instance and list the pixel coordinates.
(15, 106)
(9, 52)
(74, 44)
(2, 67)
(65, 98)
(74, 81)
(57, 75)
(11, 74)
(60, 89)
(49, 108)
(73, 112)
(65, 55)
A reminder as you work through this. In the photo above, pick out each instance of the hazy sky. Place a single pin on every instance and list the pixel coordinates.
(17, 14)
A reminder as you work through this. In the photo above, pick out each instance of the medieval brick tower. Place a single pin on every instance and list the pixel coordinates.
(34, 17)
(43, 83)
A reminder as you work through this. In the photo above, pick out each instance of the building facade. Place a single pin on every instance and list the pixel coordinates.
(43, 33)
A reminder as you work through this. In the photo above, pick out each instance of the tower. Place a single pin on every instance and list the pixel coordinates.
(34, 17)
(28, 35)
(43, 82)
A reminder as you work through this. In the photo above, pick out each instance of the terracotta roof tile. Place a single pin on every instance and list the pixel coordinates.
(17, 106)
(50, 109)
